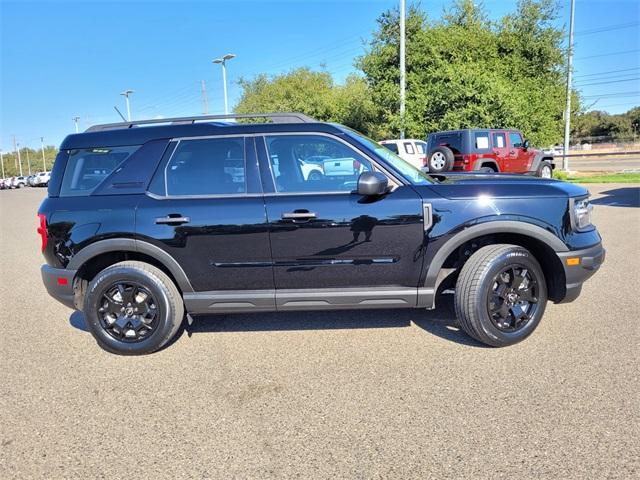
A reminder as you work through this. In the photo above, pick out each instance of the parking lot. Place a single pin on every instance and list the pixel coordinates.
(371, 394)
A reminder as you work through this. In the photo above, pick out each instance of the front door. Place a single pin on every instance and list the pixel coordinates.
(205, 209)
(519, 157)
(331, 246)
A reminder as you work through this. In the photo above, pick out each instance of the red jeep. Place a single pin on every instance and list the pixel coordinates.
(486, 150)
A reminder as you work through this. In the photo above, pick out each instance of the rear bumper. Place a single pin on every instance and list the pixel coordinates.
(59, 284)
(588, 262)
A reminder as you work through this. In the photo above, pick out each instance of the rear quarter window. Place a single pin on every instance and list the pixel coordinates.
(88, 167)
(391, 146)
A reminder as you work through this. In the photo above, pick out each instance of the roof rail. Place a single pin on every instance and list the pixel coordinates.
(279, 117)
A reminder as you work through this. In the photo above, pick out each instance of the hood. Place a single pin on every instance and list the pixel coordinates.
(472, 185)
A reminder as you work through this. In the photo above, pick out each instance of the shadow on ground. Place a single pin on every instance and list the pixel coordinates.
(439, 322)
(619, 197)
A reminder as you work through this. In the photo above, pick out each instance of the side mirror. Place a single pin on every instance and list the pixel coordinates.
(525, 144)
(372, 183)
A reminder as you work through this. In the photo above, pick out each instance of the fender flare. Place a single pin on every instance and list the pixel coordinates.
(132, 245)
(522, 228)
(478, 164)
(538, 159)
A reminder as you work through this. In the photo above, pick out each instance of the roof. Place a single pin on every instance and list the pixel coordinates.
(140, 132)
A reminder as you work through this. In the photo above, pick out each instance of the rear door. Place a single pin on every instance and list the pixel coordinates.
(330, 244)
(205, 208)
(500, 150)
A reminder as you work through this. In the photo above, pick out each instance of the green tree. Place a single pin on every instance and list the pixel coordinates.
(312, 93)
(465, 71)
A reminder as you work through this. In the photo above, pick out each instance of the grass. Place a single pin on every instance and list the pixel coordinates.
(598, 178)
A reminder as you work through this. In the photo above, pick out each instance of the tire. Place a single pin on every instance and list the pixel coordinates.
(162, 303)
(440, 160)
(477, 298)
(486, 170)
(315, 175)
(545, 170)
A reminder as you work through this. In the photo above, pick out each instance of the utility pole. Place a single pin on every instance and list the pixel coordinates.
(15, 153)
(2, 163)
(402, 66)
(205, 100)
(75, 120)
(44, 162)
(567, 111)
(126, 94)
(223, 62)
(26, 149)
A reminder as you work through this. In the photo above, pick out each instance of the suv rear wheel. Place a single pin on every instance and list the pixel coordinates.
(500, 295)
(440, 160)
(133, 308)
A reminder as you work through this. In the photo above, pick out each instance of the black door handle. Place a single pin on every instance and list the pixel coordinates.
(298, 216)
(169, 219)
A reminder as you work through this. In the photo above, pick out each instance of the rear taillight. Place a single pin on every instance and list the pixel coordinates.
(425, 161)
(42, 230)
(356, 166)
(466, 158)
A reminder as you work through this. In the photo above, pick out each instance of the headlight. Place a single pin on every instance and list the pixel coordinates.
(581, 214)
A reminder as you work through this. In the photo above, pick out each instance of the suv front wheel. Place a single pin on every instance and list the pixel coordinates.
(501, 295)
(133, 308)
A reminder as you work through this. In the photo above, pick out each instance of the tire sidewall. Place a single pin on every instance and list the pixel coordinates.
(105, 280)
(510, 257)
(544, 165)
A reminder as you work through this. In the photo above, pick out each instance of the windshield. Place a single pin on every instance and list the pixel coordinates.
(408, 171)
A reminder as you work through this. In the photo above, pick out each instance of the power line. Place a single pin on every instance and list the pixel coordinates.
(610, 54)
(613, 95)
(607, 72)
(610, 81)
(608, 28)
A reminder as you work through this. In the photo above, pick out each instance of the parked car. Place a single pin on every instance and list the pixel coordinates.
(4, 183)
(30, 180)
(487, 151)
(163, 228)
(410, 150)
(18, 182)
(42, 179)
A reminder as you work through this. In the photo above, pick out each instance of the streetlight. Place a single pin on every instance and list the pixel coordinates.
(223, 61)
(2, 163)
(126, 94)
(75, 120)
(44, 163)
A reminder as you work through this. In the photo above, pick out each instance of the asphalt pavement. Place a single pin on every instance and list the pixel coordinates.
(356, 395)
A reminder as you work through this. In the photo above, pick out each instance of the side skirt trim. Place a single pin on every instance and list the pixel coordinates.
(307, 299)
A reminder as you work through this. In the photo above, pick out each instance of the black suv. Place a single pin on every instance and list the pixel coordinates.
(148, 223)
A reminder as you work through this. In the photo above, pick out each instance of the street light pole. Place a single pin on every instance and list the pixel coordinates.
(402, 67)
(75, 120)
(2, 163)
(126, 94)
(19, 159)
(44, 163)
(223, 62)
(567, 111)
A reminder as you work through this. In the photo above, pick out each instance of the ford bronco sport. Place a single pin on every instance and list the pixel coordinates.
(487, 151)
(149, 223)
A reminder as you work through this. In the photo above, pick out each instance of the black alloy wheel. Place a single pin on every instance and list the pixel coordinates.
(513, 298)
(128, 312)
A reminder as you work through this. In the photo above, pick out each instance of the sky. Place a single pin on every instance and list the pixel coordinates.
(61, 59)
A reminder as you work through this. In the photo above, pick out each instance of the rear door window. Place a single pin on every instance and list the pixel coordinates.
(88, 167)
(203, 167)
(499, 140)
